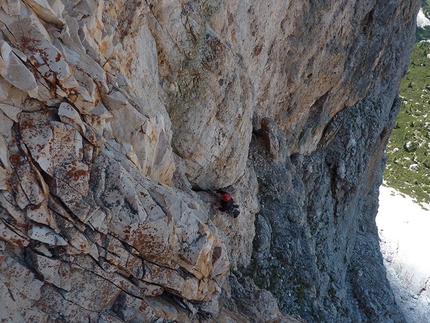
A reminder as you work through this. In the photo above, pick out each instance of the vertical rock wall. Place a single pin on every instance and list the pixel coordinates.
(118, 118)
(319, 171)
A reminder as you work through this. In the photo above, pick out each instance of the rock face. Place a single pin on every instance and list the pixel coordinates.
(119, 119)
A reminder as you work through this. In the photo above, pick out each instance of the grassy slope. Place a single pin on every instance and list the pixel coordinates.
(408, 165)
(425, 5)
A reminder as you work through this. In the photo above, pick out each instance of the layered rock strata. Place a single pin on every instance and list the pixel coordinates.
(119, 119)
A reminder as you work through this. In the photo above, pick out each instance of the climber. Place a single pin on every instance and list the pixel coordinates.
(227, 203)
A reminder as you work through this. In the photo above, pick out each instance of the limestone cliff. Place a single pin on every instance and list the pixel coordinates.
(118, 119)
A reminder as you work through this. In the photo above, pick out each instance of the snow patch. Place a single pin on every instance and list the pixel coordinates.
(422, 20)
(403, 227)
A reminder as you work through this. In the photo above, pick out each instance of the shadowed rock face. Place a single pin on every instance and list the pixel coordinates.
(117, 119)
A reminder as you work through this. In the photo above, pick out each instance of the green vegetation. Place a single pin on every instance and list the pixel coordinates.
(425, 5)
(408, 164)
(423, 33)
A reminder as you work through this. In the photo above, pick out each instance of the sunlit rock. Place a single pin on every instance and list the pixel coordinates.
(46, 235)
(14, 71)
(120, 120)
